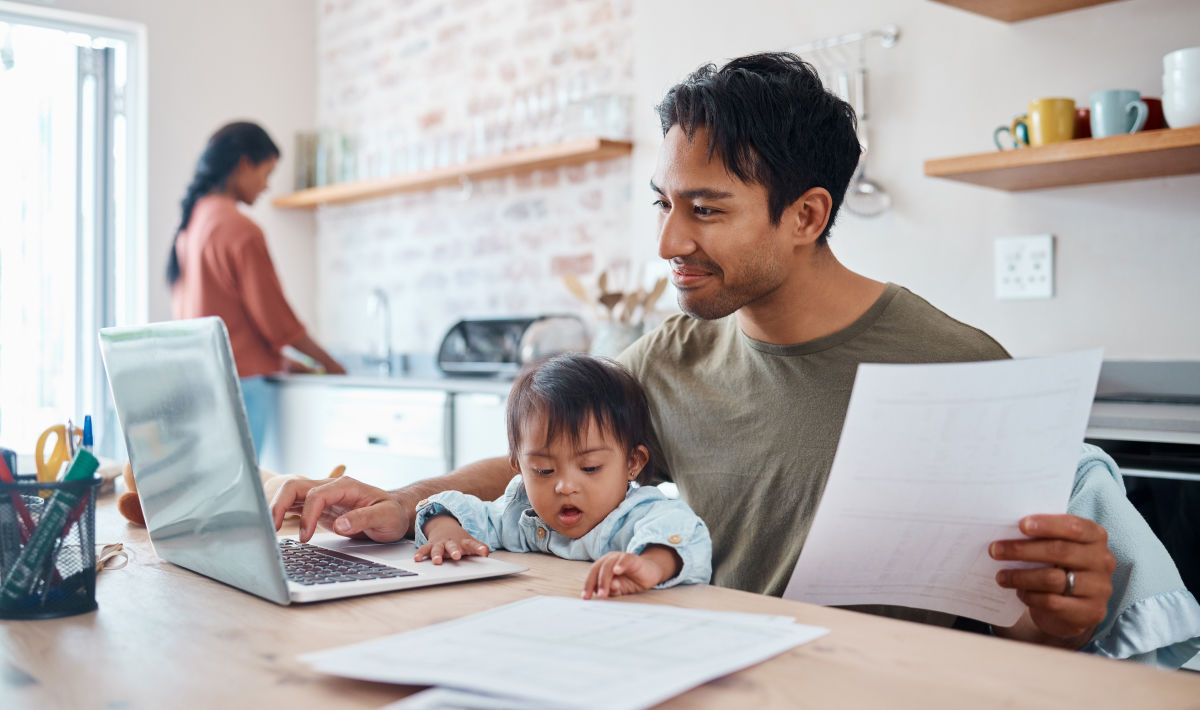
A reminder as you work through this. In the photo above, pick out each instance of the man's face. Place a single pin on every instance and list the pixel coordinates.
(715, 230)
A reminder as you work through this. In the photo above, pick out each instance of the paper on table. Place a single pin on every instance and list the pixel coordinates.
(568, 653)
(934, 463)
(454, 699)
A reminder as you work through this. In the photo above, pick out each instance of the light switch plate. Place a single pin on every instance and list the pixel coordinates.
(1025, 266)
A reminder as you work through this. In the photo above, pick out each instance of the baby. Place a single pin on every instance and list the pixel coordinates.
(579, 435)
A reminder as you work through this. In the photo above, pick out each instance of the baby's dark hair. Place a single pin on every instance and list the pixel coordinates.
(568, 390)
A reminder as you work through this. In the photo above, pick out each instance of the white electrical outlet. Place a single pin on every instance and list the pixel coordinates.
(1025, 266)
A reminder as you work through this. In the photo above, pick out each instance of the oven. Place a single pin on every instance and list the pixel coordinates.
(1147, 417)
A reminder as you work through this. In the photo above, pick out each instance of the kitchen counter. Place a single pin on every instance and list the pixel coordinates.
(473, 385)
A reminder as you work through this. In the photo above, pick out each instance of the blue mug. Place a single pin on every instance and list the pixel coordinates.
(1018, 134)
(1117, 111)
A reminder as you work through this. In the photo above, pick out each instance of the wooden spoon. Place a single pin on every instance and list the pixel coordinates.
(652, 297)
(610, 300)
(573, 284)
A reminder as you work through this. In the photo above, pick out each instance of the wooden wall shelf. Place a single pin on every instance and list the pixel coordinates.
(547, 157)
(1017, 10)
(1149, 154)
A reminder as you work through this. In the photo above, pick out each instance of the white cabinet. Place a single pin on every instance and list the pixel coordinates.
(388, 437)
(479, 429)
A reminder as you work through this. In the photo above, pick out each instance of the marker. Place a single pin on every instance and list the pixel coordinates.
(87, 432)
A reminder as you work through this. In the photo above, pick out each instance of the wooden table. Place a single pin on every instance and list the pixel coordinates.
(167, 638)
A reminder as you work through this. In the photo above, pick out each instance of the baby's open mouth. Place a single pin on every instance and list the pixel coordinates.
(569, 514)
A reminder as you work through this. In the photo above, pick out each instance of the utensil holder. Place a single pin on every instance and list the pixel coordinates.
(612, 337)
(47, 548)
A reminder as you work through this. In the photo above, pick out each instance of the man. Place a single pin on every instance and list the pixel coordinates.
(749, 389)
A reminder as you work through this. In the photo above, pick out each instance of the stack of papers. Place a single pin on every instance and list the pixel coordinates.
(555, 652)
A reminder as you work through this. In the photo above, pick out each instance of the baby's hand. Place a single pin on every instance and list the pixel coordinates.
(447, 538)
(620, 573)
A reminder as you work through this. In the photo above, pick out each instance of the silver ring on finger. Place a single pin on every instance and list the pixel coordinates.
(1069, 587)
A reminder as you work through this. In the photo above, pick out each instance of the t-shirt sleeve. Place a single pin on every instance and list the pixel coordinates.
(262, 294)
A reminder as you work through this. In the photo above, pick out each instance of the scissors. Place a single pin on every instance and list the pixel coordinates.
(48, 465)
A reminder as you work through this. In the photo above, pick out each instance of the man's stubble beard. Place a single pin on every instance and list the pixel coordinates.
(767, 278)
(719, 307)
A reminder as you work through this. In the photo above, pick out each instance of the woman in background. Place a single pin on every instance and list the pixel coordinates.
(219, 266)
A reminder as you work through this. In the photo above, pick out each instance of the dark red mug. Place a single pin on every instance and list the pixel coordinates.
(1154, 115)
(1083, 122)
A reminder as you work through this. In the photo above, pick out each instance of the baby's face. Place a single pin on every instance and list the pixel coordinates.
(571, 489)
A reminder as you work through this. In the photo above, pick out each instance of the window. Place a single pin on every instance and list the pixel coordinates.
(70, 243)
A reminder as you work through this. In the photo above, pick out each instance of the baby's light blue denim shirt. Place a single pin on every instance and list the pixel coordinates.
(645, 517)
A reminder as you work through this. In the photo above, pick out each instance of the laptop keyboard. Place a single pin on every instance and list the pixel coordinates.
(308, 564)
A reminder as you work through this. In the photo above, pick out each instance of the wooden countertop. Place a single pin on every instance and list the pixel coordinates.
(167, 638)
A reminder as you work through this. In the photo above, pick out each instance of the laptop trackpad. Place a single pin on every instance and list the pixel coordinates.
(397, 554)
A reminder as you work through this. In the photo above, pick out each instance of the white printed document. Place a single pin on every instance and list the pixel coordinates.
(555, 652)
(935, 462)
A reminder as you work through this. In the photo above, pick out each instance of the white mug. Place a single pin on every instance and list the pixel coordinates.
(1182, 107)
(1187, 59)
(1181, 87)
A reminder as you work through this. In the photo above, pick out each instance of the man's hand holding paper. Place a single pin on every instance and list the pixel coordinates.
(1067, 599)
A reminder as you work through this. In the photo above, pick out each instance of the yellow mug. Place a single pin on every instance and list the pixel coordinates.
(1048, 121)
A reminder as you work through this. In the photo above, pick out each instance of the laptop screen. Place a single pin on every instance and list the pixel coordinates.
(179, 403)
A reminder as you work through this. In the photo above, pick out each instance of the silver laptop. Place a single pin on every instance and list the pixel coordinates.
(180, 406)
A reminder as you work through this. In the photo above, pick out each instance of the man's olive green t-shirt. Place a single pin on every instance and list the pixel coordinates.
(749, 429)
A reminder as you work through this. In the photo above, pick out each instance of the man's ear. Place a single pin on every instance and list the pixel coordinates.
(638, 458)
(808, 215)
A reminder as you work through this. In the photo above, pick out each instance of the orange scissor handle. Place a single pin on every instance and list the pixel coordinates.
(48, 466)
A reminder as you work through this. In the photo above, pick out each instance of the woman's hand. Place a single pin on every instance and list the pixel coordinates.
(295, 367)
(448, 538)
(1067, 600)
(619, 573)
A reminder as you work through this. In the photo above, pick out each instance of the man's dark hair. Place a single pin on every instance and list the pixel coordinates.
(773, 123)
(571, 389)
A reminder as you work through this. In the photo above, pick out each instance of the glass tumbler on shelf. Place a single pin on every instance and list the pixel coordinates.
(326, 160)
(306, 160)
(347, 156)
(617, 116)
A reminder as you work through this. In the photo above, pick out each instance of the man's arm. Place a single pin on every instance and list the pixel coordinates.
(354, 509)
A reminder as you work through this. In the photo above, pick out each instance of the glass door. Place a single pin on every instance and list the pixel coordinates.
(65, 228)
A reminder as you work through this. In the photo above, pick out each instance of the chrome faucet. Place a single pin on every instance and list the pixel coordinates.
(380, 308)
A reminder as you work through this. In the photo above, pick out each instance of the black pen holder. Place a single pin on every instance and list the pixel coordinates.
(47, 548)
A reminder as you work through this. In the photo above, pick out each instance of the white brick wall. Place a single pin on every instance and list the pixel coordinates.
(425, 82)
